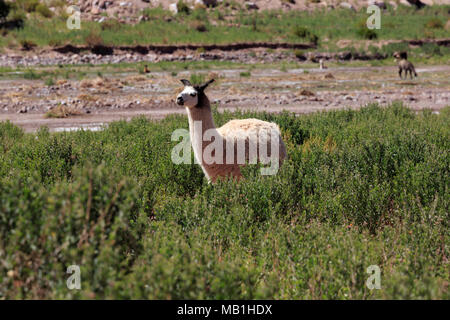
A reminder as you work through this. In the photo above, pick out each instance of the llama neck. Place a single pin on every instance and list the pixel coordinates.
(200, 120)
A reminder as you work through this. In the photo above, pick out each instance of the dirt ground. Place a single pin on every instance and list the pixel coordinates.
(97, 101)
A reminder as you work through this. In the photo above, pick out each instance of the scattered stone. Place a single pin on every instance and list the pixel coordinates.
(346, 5)
(419, 4)
(207, 3)
(405, 3)
(251, 6)
(173, 8)
(379, 4)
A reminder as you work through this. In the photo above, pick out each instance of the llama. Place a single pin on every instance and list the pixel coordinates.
(234, 144)
(322, 65)
(404, 65)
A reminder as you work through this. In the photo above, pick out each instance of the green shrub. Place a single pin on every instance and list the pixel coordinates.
(44, 11)
(305, 33)
(182, 7)
(4, 10)
(197, 78)
(26, 5)
(111, 24)
(49, 82)
(434, 23)
(364, 32)
(299, 54)
(27, 44)
(360, 188)
(199, 26)
(93, 39)
(17, 16)
(432, 49)
(30, 74)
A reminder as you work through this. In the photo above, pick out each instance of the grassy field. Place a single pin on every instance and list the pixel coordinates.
(222, 26)
(360, 188)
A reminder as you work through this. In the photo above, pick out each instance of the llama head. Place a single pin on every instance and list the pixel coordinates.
(399, 55)
(191, 95)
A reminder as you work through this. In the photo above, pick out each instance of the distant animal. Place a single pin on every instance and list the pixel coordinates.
(322, 65)
(404, 64)
(244, 137)
(146, 69)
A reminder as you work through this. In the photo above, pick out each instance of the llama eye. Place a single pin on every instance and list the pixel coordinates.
(193, 94)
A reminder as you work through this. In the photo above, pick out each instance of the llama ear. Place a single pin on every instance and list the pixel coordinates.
(186, 82)
(205, 85)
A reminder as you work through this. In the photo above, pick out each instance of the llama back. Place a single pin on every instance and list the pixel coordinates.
(251, 133)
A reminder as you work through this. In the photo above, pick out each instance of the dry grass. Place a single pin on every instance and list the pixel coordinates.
(138, 78)
(87, 97)
(91, 83)
(62, 112)
(307, 93)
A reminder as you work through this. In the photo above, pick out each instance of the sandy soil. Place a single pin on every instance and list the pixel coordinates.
(123, 96)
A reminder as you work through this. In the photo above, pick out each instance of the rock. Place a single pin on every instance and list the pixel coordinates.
(103, 4)
(419, 4)
(379, 4)
(346, 5)
(346, 55)
(173, 8)
(207, 3)
(251, 6)
(95, 10)
(405, 3)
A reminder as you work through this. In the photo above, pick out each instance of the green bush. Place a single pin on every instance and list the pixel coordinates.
(432, 49)
(364, 32)
(197, 78)
(4, 10)
(359, 188)
(44, 11)
(27, 44)
(49, 82)
(111, 24)
(26, 5)
(305, 33)
(17, 16)
(182, 7)
(434, 23)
